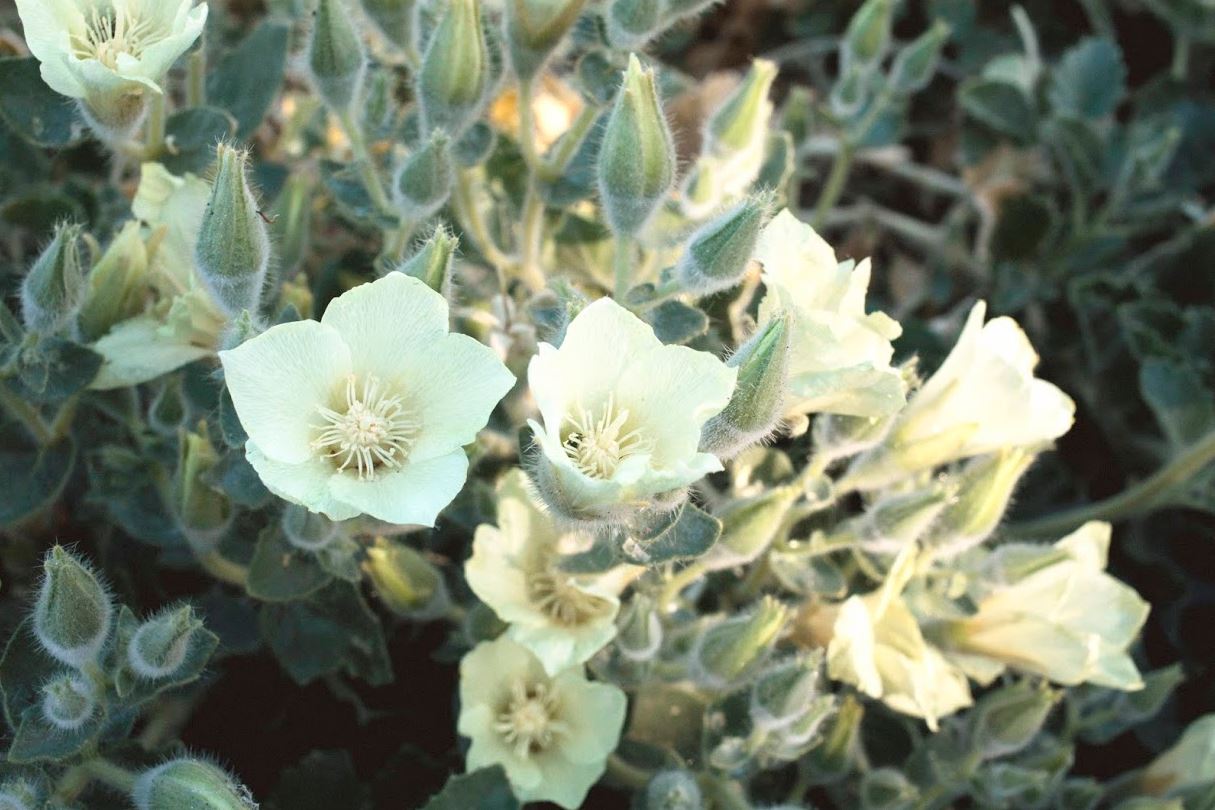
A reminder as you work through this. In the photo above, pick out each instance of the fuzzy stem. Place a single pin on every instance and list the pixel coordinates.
(222, 568)
(622, 266)
(678, 581)
(531, 235)
(154, 136)
(367, 169)
(110, 773)
(27, 415)
(567, 147)
(472, 221)
(834, 186)
(196, 74)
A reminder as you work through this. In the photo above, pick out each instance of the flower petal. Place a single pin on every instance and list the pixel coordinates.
(306, 483)
(594, 713)
(136, 351)
(412, 495)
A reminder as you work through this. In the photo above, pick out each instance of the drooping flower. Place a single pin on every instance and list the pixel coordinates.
(839, 355)
(551, 734)
(110, 54)
(1054, 612)
(563, 619)
(366, 411)
(982, 399)
(622, 413)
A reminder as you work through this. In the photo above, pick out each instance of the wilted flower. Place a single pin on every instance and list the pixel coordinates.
(110, 53)
(561, 618)
(839, 356)
(366, 411)
(1056, 614)
(552, 735)
(622, 413)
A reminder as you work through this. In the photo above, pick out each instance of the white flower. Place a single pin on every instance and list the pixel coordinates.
(563, 619)
(622, 413)
(366, 411)
(839, 358)
(109, 53)
(552, 735)
(1059, 615)
(878, 647)
(982, 399)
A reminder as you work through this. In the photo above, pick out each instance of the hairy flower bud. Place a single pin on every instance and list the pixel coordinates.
(784, 693)
(189, 783)
(719, 252)
(1006, 721)
(159, 646)
(20, 794)
(640, 630)
(758, 400)
(915, 64)
(54, 287)
(742, 121)
(406, 582)
(68, 701)
(395, 19)
(672, 790)
(335, 55)
(432, 263)
(453, 81)
(868, 34)
(985, 488)
(307, 531)
(116, 287)
(203, 511)
(425, 179)
(897, 520)
(73, 613)
(233, 249)
(534, 28)
(633, 23)
(750, 526)
(637, 156)
(734, 646)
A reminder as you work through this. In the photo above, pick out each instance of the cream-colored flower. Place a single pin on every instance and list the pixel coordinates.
(982, 399)
(622, 413)
(367, 410)
(878, 647)
(514, 568)
(1189, 763)
(839, 359)
(552, 735)
(110, 53)
(1056, 614)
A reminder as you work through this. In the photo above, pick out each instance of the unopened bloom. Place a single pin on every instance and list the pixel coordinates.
(551, 734)
(562, 618)
(110, 54)
(366, 411)
(622, 413)
(1056, 614)
(839, 355)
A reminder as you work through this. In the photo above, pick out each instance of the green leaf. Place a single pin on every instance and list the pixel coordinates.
(484, 789)
(37, 740)
(33, 110)
(247, 79)
(1000, 105)
(53, 369)
(351, 195)
(33, 477)
(1104, 714)
(333, 630)
(194, 133)
(322, 780)
(1024, 226)
(677, 322)
(1090, 79)
(1184, 407)
(687, 532)
(133, 689)
(279, 572)
(24, 668)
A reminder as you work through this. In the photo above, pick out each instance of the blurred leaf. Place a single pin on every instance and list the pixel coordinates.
(24, 668)
(1023, 227)
(279, 572)
(322, 780)
(484, 789)
(194, 133)
(54, 369)
(33, 110)
(1183, 406)
(683, 534)
(1090, 79)
(247, 79)
(135, 689)
(1000, 105)
(33, 478)
(677, 322)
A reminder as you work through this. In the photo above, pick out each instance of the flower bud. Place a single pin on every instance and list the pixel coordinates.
(868, 34)
(640, 630)
(335, 55)
(850, 93)
(307, 531)
(730, 649)
(637, 156)
(432, 264)
(672, 790)
(756, 406)
(202, 510)
(719, 252)
(20, 794)
(785, 692)
(54, 287)
(915, 64)
(395, 19)
(189, 783)
(424, 181)
(68, 701)
(1006, 721)
(833, 759)
(633, 23)
(116, 284)
(742, 120)
(985, 487)
(73, 613)
(233, 249)
(893, 522)
(887, 789)
(405, 581)
(159, 646)
(454, 79)
(534, 28)
(838, 436)
(292, 218)
(701, 190)
(750, 526)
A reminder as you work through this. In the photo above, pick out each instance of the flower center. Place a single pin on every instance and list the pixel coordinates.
(601, 440)
(529, 720)
(562, 601)
(112, 32)
(372, 432)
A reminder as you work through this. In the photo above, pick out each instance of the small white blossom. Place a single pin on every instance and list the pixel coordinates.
(367, 410)
(839, 356)
(552, 735)
(562, 618)
(622, 413)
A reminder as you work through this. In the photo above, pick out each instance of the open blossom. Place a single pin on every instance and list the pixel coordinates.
(983, 398)
(1057, 614)
(551, 734)
(367, 410)
(562, 618)
(839, 356)
(622, 413)
(110, 53)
